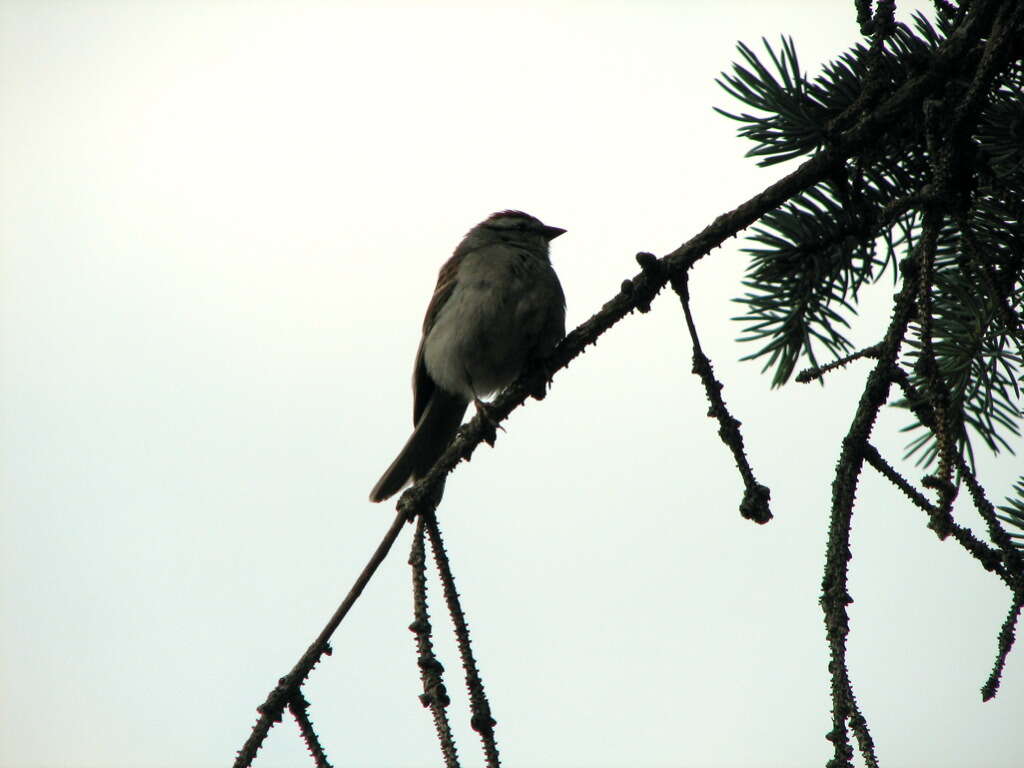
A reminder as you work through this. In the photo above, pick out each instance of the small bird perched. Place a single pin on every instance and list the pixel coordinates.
(497, 307)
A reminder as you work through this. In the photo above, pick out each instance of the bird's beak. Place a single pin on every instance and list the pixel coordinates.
(552, 232)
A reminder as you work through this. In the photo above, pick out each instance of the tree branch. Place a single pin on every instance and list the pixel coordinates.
(434, 695)
(834, 594)
(989, 558)
(817, 372)
(754, 505)
(481, 721)
(299, 707)
(288, 687)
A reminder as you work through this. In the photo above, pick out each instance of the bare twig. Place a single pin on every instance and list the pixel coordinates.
(1007, 554)
(1007, 634)
(299, 707)
(835, 596)
(481, 721)
(1015, 565)
(817, 372)
(754, 505)
(989, 558)
(1012, 556)
(886, 470)
(928, 368)
(434, 693)
(1011, 571)
(288, 686)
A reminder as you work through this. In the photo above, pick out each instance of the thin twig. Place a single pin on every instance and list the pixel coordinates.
(299, 707)
(289, 685)
(1008, 553)
(435, 695)
(886, 470)
(880, 26)
(1015, 565)
(481, 720)
(1012, 557)
(928, 368)
(1000, 40)
(1007, 634)
(835, 595)
(1012, 571)
(817, 372)
(754, 505)
(989, 558)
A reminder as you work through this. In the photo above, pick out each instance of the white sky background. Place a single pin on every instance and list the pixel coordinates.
(220, 224)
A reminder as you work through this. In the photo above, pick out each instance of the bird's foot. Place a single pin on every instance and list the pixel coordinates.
(538, 388)
(491, 424)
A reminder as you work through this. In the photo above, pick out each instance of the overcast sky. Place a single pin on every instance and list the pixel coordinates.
(220, 224)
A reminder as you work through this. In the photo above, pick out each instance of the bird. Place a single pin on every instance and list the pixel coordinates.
(498, 308)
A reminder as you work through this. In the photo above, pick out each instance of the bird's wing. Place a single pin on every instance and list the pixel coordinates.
(422, 385)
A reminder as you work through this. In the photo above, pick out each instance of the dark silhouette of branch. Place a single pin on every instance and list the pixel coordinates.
(299, 707)
(288, 687)
(997, 50)
(481, 721)
(1012, 556)
(434, 695)
(834, 594)
(1012, 569)
(818, 372)
(989, 558)
(1008, 554)
(879, 27)
(874, 458)
(1015, 564)
(928, 367)
(1007, 635)
(754, 505)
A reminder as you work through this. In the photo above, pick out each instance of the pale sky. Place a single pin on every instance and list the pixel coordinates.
(220, 224)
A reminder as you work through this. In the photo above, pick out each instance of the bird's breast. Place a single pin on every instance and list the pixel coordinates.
(490, 324)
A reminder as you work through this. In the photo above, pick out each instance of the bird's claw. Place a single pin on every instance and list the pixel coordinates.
(491, 425)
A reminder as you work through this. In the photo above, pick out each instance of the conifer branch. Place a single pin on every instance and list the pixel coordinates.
(481, 721)
(835, 595)
(289, 686)
(817, 372)
(299, 707)
(989, 558)
(435, 695)
(754, 505)
(1007, 634)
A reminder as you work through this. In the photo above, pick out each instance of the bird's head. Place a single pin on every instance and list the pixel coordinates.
(516, 228)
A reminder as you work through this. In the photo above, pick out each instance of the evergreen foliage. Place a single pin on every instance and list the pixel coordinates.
(811, 257)
(920, 132)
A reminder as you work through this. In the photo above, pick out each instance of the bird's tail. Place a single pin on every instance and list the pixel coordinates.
(434, 431)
